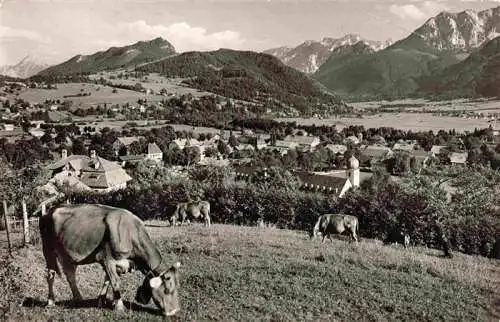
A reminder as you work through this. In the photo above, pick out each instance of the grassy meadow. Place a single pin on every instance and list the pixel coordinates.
(99, 95)
(251, 273)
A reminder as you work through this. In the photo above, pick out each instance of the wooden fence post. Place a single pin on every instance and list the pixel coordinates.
(26, 225)
(7, 225)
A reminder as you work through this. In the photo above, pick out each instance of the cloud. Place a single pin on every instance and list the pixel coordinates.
(7, 33)
(419, 11)
(183, 36)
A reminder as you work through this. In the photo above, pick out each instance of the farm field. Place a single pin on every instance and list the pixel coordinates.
(99, 95)
(406, 121)
(479, 106)
(154, 82)
(250, 273)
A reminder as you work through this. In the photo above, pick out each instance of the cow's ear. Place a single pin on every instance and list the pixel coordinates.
(155, 282)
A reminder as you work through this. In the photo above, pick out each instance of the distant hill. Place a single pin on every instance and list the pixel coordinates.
(113, 58)
(28, 66)
(399, 69)
(478, 75)
(246, 75)
(310, 55)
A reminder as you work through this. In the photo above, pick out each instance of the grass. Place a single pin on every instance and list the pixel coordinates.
(250, 273)
(99, 95)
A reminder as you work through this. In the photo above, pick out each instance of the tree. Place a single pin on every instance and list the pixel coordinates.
(233, 142)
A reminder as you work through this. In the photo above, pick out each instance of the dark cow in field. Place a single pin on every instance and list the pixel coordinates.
(192, 210)
(83, 234)
(328, 224)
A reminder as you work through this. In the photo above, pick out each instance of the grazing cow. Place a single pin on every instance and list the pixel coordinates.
(83, 234)
(190, 211)
(328, 224)
(398, 237)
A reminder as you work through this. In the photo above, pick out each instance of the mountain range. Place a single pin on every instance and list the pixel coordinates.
(28, 66)
(450, 54)
(113, 58)
(403, 68)
(310, 55)
(245, 75)
(477, 75)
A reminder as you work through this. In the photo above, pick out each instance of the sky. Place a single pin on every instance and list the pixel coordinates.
(53, 31)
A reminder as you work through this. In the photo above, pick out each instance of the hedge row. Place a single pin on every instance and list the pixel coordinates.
(379, 212)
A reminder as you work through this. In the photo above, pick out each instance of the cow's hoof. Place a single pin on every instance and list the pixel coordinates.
(119, 306)
(50, 303)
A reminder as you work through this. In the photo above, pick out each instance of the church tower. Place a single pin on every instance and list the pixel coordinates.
(352, 171)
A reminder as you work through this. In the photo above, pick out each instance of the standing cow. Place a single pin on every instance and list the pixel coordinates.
(83, 234)
(192, 210)
(328, 224)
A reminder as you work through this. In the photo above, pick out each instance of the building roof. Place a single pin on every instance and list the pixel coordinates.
(285, 144)
(456, 157)
(241, 147)
(404, 146)
(153, 148)
(436, 149)
(321, 180)
(300, 139)
(336, 148)
(352, 138)
(181, 143)
(420, 154)
(376, 151)
(127, 140)
(76, 161)
(101, 173)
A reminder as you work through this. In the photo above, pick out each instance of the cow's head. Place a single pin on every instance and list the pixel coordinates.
(163, 289)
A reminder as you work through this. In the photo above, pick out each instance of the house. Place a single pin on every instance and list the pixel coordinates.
(305, 143)
(337, 148)
(420, 158)
(351, 140)
(458, 158)
(403, 146)
(154, 152)
(373, 154)
(182, 143)
(243, 147)
(6, 127)
(125, 142)
(261, 144)
(335, 182)
(36, 133)
(92, 172)
(283, 146)
(436, 150)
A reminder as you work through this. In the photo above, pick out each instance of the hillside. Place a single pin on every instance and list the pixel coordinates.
(247, 76)
(392, 72)
(249, 273)
(399, 69)
(28, 66)
(310, 55)
(478, 75)
(113, 58)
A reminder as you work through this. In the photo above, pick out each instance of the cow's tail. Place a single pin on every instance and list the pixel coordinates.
(47, 235)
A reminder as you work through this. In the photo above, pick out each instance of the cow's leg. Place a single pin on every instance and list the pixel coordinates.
(114, 280)
(51, 274)
(70, 272)
(104, 291)
(323, 240)
(207, 220)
